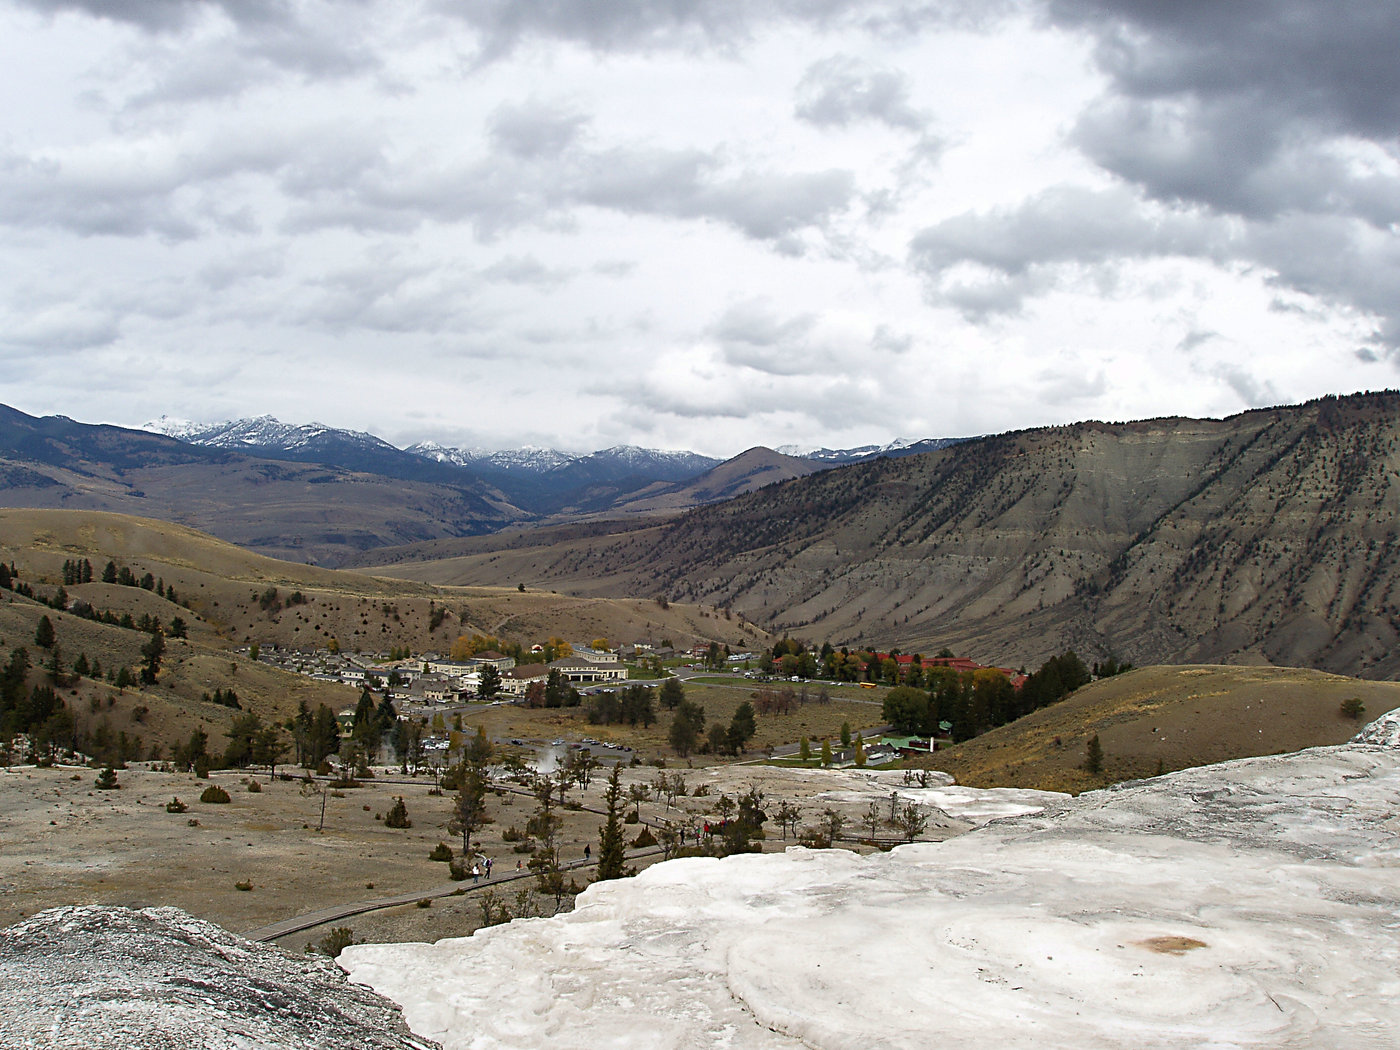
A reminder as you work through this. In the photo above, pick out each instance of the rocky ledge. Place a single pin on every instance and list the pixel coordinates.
(158, 978)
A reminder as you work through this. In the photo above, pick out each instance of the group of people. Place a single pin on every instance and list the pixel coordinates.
(481, 866)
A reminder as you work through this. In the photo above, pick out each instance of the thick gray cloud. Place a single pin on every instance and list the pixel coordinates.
(156, 15)
(1021, 251)
(1282, 114)
(1329, 61)
(504, 192)
(842, 89)
(535, 129)
(689, 24)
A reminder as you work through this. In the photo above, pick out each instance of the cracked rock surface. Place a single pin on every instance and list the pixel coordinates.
(157, 978)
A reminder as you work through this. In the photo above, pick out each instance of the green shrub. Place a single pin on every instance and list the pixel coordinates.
(333, 943)
(512, 834)
(107, 779)
(646, 838)
(175, 806)
(254, 786)
(244, 885)
(425, 902)
(215, 794)
(398, 816)
(442, 851)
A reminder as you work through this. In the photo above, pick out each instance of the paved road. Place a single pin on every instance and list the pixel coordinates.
(344, 911)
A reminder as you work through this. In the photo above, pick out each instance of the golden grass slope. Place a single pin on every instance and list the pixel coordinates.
(1159, 719)
(220, 589)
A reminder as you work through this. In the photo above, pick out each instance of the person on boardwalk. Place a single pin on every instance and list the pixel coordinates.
(587, 852)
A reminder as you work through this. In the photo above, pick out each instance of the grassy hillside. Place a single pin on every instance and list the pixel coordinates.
(1159, 719)
(220, 593)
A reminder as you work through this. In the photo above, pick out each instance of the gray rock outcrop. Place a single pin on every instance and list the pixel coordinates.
(158, 978)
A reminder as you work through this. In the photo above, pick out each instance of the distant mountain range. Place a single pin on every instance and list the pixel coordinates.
(541, 481)
(323, 495)
(894, 450)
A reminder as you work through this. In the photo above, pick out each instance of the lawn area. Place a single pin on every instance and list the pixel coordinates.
(812, 720)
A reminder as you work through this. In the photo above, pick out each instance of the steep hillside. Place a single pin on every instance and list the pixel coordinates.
(747, 472)
(1160, 719)
(1269, 537)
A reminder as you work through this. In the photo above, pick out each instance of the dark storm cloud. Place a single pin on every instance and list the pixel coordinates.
(1332, 61)
(1227, 103)
(842, 90)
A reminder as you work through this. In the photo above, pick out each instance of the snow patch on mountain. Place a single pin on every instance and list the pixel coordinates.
(259, 432)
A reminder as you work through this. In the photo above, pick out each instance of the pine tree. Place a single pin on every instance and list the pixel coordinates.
(611, 846)
(1093, 756)
(44, 634)
(469, 808)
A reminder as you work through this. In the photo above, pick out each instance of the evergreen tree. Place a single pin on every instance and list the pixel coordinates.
(109, 572)
(325, 736)
(686, 727)
(469, 807)
(44, 634)
(611, 845)
(742, 727)
(152, 651)
(672, 693)
(365, 729)
(547, 860)
(490, 682)
(1093, 756)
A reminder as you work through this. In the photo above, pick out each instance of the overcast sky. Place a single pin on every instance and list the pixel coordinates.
(702, 224)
